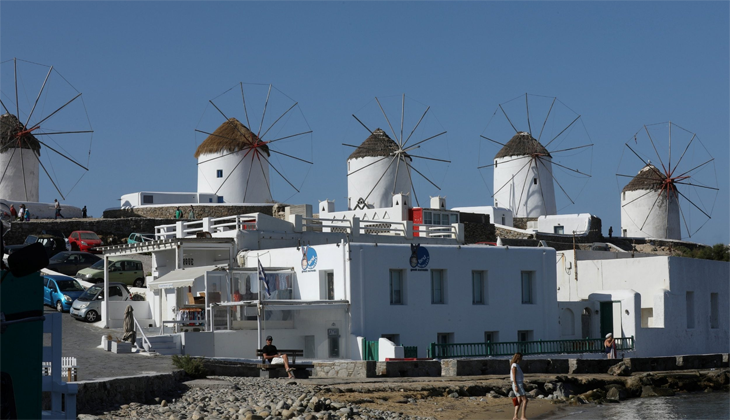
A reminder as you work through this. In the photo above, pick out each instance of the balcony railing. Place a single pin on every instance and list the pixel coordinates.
(588, 345)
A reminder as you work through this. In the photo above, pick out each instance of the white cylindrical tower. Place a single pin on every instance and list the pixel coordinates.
(365, 175)
(231, 164)
(18, 163)
(649, 207)
(523, 180)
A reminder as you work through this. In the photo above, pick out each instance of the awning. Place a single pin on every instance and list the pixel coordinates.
(180, 278)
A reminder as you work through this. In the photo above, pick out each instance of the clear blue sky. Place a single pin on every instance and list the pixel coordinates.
(147, 70)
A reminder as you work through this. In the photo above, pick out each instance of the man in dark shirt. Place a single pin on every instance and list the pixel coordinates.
(271, 354)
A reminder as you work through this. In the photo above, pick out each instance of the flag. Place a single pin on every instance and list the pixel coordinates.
(262, 279)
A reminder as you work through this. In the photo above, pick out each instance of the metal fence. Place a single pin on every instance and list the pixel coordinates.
(588, 345)
(410, 352)
(370, 350)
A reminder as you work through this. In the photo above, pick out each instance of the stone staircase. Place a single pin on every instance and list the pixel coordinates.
(162, 344)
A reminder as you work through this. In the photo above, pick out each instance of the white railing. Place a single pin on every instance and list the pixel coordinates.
(59, 390)
(337, 224)
(69, 369)
(190, 229)
(145, 341)
(383, 227)
(435, 231)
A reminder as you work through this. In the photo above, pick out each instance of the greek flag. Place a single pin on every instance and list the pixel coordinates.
(262, 279)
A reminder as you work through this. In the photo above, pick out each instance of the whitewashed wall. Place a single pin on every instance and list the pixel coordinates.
(514, 186)
(165, 198)
(248, 182)
(16, 185)
(360, 183)
(644, 215)
(578, 223)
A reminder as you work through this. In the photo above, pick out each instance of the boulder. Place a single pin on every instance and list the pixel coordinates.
(620, 369)
(563, 390)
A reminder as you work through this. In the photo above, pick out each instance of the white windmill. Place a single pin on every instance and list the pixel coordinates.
(671, 200)
(381, 167)
(53, 119)
(524, 169)
(234, 161)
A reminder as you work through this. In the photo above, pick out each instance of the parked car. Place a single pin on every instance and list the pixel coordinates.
(87, 307)
(70, 262)
(52, 244)
(136, 238)
(84, 240)
(125, 271)
(54, 232)
(61, 291)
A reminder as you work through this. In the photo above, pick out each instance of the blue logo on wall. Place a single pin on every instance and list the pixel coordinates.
(309, 258)
(419, 257)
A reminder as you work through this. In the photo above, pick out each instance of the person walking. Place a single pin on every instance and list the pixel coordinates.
(13, 212)
(21, 212)
(518, 386)
(610, 346)
(26, 215)
(191, 215)
(178, 213)
(83, 213)
(58, 209)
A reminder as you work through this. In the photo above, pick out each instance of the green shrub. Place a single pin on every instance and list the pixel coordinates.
(717, 252)
(193, 367)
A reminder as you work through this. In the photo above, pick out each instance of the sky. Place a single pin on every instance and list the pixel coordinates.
(147, 71)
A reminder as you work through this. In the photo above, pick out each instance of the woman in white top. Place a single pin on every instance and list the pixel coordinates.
(518, 385)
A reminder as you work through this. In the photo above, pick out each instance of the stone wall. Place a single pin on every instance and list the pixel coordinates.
(412, 368)
(111, 231)
(100, 394)
(345, 369)
(200, 211)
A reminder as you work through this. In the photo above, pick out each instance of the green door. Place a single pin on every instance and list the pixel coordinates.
(606, 318)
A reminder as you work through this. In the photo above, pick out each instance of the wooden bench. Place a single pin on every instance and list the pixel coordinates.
(276, 371)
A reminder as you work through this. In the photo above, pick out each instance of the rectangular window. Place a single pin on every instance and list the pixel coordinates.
(534, 181)
(220, 200)
(454, 218)
(559, 230)
(436, 218)
(714, 313)
(528, 278)
(478, 291)
(524, 335)
(396, 287)
(147, 199)
(491, 336)
(330, 285)
(426, 217)
(503, 220)
(690, 309)
(437, 286)
(445, 338)
(219, 173)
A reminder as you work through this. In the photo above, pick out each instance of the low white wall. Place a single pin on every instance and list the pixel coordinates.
(497, 215)
(388, 350)
(578, 223)
(118, 307)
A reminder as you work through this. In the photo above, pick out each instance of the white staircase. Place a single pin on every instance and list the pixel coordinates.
(162, 344)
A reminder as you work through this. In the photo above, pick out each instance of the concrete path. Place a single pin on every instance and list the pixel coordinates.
(82, 340)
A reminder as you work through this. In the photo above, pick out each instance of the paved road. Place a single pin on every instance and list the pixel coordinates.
(82, 340)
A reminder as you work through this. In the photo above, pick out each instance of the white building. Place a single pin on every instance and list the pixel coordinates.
(523, 180)
(376, 171)
(670, 305)
(497, 215)
(647, 210)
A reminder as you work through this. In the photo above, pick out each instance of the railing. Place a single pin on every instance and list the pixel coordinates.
(588, 345)
(145, 341)
(209, 225)
(335, 225)
(434, 231)
(69, 369)
(382, 227)
(410, 352)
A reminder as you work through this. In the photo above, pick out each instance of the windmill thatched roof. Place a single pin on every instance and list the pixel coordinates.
(230, 137)
(10, 126)
(377, 144)
(648, 178)
(522, 144)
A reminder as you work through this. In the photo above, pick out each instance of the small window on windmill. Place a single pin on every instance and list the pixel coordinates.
(219, 173)
(534, 181)
(495, 163)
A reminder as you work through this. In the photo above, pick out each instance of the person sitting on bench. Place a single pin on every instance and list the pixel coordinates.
(271, 354)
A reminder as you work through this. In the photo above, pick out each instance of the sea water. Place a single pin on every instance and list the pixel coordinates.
(700, 405)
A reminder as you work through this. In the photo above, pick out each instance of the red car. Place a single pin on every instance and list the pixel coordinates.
(84, 240)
